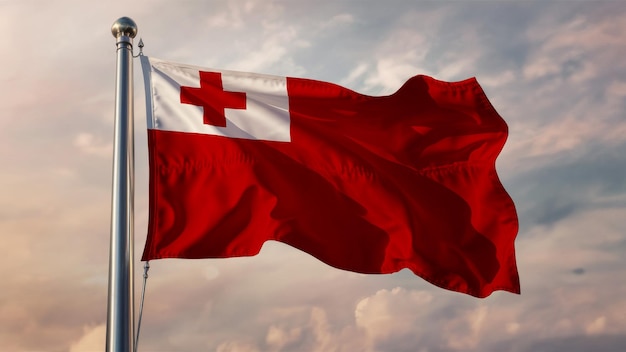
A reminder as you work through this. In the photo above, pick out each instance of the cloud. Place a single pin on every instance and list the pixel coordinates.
(597, 326)
(555, 71)
(391, 314)
(499, 79)
(338, 20)
(92, 340)
(271, 51)
(578, 41)
(392, 73)
(277, 338)
(88, 144)
(599, 343)
(304, 329)
(464, 333)
(355, 74)
(236, 346)
(230, 18)
(616, 89)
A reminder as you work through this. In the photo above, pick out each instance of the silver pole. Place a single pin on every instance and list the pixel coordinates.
(121, 306)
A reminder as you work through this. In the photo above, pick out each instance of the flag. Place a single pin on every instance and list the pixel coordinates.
(370, 184)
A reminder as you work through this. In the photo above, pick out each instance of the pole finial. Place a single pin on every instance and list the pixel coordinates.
(124, 26)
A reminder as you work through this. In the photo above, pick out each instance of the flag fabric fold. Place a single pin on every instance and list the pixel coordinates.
(363, 183)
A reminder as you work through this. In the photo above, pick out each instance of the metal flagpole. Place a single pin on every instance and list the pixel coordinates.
(121, 307)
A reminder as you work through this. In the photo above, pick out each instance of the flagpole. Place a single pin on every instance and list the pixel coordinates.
(121, 307)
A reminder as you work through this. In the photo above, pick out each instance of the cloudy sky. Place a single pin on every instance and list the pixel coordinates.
(556, 72)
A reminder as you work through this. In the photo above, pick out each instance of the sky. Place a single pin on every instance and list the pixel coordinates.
(555, 71)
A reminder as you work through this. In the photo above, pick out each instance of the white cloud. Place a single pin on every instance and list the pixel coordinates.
(226, 20)
(304, 329)
(93, 339)
(392, 73)
(355, 74)
(580, 42)
(338, 20)
(392, 313)
(464, 333)
(236, 346)
(321, 330)
(89, 144)
(540, 67)
(596, 326)
(578, 124)
(235, 16)
(497, 80)
(277, 337)
(273, 50)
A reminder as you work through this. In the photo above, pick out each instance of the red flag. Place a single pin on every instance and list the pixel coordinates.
(366, 184)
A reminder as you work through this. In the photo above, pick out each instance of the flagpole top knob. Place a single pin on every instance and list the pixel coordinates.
(124, 26)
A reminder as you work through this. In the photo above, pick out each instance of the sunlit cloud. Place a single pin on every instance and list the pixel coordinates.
(92, 340)
(555, 71)
(88, 143)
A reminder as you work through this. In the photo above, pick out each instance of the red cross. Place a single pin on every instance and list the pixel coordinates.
(213, 99)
